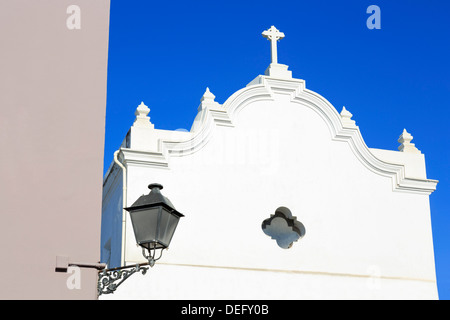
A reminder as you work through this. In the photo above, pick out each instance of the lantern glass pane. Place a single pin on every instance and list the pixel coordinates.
(168, 224)
(145, 224)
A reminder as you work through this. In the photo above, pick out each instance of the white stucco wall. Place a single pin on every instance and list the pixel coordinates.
(272, 144)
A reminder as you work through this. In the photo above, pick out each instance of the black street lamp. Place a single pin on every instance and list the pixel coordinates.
(154, 220)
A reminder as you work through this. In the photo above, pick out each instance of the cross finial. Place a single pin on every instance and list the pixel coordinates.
(273, 34)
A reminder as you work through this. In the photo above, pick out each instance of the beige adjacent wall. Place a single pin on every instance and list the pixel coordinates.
(52, 122)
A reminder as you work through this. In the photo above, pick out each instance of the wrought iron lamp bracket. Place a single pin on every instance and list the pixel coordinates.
(109, 280)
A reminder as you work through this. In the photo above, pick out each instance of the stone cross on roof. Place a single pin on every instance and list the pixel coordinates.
(273, 34)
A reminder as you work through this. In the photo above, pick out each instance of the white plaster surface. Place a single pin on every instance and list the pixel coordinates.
(366, 211)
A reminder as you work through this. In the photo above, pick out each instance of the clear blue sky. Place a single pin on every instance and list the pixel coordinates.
(166, 53)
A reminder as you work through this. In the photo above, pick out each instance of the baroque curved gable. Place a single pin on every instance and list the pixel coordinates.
(265, 88)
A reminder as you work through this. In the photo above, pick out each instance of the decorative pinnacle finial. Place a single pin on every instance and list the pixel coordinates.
(207, 96)
(207, 100)
(142, 120)
(274, 35)
(346, 118)
(406, 145)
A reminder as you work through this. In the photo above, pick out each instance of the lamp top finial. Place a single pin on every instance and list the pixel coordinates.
(155, 185)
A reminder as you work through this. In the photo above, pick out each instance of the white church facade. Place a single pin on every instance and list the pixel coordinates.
(282, 200)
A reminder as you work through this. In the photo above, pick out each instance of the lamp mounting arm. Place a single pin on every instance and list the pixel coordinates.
(110, 279)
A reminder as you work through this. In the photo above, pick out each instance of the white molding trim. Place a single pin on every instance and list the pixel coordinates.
(264, 88)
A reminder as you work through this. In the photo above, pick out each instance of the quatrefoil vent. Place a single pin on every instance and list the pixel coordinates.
(283, 227)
